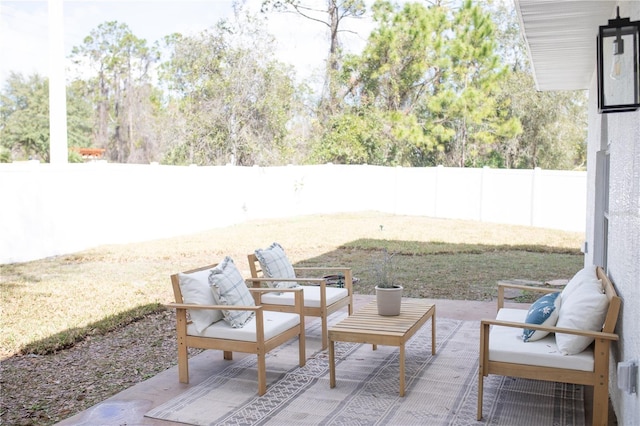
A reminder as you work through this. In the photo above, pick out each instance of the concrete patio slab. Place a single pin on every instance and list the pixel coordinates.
(129, 406)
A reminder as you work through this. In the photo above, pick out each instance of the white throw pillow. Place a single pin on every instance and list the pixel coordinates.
(275, 264)
(196, 290)
(585, 275)
(543, 311)
(229, 288)
(585, 309)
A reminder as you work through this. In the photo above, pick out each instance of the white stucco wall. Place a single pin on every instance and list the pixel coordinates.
(621, 133)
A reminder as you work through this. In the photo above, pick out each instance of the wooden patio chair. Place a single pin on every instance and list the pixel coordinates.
(320, 299)
(202, 322)
(564, 354)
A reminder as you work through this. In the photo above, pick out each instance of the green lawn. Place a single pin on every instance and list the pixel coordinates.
(51, 303)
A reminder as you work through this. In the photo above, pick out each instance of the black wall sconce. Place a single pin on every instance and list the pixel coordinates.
(618, 65)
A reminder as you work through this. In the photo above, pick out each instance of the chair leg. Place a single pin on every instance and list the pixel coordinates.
(480, 394)
(325, 331)
(302, 349)
(228, 355)
(183, 356)
(262, 374)
(183, 362)
(483, 361)
(601, 404)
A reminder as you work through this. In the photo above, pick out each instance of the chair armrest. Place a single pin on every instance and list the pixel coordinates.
(551, 329)
(502, 286)
(273, 290)
(348, 284)
(317, 281)
(219, 307)
(285, 280)
(320, 268)
(298, 297)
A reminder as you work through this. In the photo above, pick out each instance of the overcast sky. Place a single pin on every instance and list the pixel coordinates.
(24, 29)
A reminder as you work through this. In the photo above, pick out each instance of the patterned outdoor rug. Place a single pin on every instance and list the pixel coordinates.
(440, 389)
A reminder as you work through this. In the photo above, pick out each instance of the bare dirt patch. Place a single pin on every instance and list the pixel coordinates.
(45, 389)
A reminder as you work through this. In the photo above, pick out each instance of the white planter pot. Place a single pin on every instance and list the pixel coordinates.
(389, 300)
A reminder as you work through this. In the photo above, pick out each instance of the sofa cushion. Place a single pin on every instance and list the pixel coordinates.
(585, 309)
(506, 345)
(229, 288)
(275, 264)
(274, 324)
(195, 289)
(311, 296)
(543, 311)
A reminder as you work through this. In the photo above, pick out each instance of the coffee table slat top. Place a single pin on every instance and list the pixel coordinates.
(367, 319)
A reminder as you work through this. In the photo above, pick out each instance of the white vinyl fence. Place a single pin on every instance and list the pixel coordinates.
(57, 209)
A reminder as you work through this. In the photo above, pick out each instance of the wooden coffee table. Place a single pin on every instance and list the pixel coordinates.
(366, 326)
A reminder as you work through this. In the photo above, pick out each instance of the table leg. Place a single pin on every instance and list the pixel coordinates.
(433, 332)
(402, 369)
(332, 365)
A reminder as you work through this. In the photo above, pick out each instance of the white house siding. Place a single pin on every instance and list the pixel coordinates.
(621, 133)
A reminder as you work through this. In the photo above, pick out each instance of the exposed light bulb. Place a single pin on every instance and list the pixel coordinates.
(617, 66)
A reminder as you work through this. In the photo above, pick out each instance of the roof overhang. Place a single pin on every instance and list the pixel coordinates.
(561, 40)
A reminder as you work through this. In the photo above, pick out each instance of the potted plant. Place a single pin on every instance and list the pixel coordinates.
(388, 291)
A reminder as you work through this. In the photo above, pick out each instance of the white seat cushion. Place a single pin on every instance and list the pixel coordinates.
(311, 296)
(506, 345)
(274, 324)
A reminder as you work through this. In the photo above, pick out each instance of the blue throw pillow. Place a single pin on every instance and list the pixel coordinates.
(543, 311)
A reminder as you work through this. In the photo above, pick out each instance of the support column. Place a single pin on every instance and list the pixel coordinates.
(58, 147)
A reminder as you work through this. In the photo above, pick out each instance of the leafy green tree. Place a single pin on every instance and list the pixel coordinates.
(230, 101)
(554, 123)
(332, 17)
(119, 87)
(352, 137)
(553, 126)
(5, 155)
(79, 116)
(401, 65)
(24, 119)
(471, 82)
(402, 61)
(433, 73)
